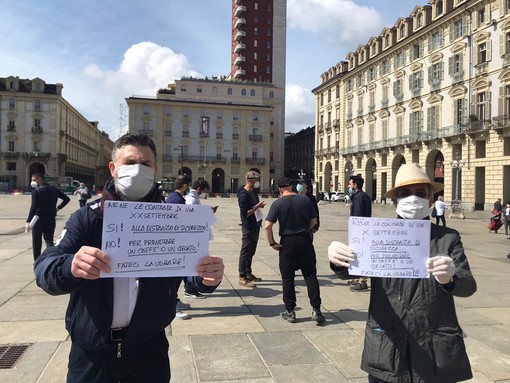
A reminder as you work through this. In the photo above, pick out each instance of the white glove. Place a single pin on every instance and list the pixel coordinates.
(27, 227)
(442, 268)
(340, 254)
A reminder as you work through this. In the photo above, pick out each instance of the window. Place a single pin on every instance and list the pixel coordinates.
(268, 57)
(505, 45)
(435, 41)
(229, 91)
(402, 31)
(322, 99)
(38, 87)
(439, 8)
(252, 92)
(146, 109)
(12, 126)
(268, 70)
(371, 74)
(203, 113)
(256, 18)
(11, 166)
(255, 68)
(415, 81)
(433, 118)
(199, 89)
(268, 21)
(183, 87)
(255, 31)
(254, 154)
(458, 29)
(168, 110)
(456, 64)
(481, 16)
(419, 20)
(329, 95)
(435, 73)
(506, 101)
(12, 85)
(387, 41)
(398, 90)
(255, 116)
(337, 91)
(374, 49)
(243, 92)
(416, 51)
(185, 112)
(36, 147)
(255, 55)
(235, 115)
(483, 53)
(12, 104)
(269, 32)
(349, 85)
(11, 146)
(271, 94)
(214, 90)
(385, 89)
(268, 44)
(459, 107)
(385, 129)
(483, 106)
(255, 43)
(385, 67)
(399, 59)
(37, 105)
(219, 114)
(37, 123)
(400, 125)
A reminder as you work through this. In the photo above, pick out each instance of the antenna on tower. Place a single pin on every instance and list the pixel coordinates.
(123, 119)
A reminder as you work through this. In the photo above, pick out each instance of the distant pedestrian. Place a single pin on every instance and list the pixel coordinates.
(302, 188)
(497, 210)
(440, 210)
(296, 217)
(507, 218)
(251, 220)
(361, 206)
(44, 206)
(83, 194)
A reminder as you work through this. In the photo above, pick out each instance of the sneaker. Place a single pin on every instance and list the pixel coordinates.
(290, 316)
(196, 295)
(359, 287)
(246, 282)
(317, 316)
(182, 306)
(353, 282)
(181, 315)
(253, 278)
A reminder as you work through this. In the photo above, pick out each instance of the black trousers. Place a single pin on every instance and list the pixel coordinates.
(82, 202)
(145, 362)
(248, 249)
(44, 227)
(442, 218)
(297, 252)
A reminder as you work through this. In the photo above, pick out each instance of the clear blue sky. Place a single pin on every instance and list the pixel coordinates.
(104, 50)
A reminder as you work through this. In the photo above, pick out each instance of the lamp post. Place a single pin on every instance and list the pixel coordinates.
(457, 164)
(302, 175)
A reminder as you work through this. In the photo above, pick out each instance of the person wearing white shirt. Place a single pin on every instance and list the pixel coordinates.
(439, 205)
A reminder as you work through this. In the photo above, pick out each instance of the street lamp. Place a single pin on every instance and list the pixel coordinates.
(457, 164)
(204, 165)
(180, 147)
(349, 170)
(302, 175)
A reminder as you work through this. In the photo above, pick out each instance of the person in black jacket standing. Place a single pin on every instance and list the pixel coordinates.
(361, 206)
(44, 206)
(117, 325)
(248, 205)
(412, 332)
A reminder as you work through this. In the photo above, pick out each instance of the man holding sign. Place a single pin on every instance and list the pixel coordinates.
(117, 325)
(412, 332)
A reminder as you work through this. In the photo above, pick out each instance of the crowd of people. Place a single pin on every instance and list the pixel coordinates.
(117, 324)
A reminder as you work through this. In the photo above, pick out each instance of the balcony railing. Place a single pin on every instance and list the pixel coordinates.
(255, 137)
(147, 132)
(168, 133)
(235, 136)
(235, 160)
(185, 134)
(36, 155)
(478, 126)
(502, 121)
(258, 161)
(451, 130)
(10, 154)
(11, 128)
(219, 136)
(37, 130)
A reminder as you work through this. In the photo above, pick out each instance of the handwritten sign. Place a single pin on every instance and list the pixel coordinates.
(391, 248)
(155, 239)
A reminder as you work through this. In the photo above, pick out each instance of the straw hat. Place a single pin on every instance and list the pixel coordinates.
(412, 174)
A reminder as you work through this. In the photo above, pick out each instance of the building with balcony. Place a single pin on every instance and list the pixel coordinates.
(258, 55)
(434, 88)
(299, 155)
(212, 129)
(41, 131)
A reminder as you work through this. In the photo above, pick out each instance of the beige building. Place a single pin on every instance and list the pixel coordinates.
(434, 88)
(41, 131)
(212, 129)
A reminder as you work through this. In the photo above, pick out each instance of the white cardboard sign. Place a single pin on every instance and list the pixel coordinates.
(390, 248)
(155, 239)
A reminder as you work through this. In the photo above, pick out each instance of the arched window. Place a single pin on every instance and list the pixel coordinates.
(271, 94)
(243, 92)
(229, 91)
(252, 92)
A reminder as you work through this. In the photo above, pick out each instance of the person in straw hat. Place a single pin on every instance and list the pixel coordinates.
(412, 332)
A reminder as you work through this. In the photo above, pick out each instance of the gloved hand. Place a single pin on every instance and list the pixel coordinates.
(27, 227)
(442, 268)
(340, 254)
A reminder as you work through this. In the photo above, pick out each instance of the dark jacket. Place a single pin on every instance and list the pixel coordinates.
(361, 205)
(415, 320)
(90, 309)
(44, 202)
(246, 203)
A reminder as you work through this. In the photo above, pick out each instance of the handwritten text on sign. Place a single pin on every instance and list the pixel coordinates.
(155, 239)
(392, 248)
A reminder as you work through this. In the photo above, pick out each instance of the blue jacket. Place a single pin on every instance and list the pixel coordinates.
(90, 309)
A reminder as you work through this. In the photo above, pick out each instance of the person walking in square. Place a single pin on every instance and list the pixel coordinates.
(44, 206)
(83, 194)
(440, 210)
(296, 217)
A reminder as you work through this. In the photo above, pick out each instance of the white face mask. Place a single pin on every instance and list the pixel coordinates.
(256, 185)
(413, 207)
(33, 184)
(134, 181)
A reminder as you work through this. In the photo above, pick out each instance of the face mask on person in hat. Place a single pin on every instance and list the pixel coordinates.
(413, 207)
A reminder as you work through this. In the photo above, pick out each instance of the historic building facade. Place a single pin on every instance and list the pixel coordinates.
(434, 89)
(299, 156)
(258, 54)
(211, 129)
(41, 131)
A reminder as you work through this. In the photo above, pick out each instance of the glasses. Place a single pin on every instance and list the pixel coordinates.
(404, 192)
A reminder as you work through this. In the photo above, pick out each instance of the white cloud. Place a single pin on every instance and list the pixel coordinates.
(299, 108)
(336, 21)
(145, 68)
